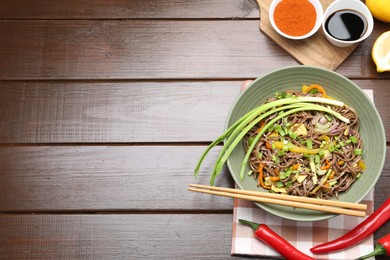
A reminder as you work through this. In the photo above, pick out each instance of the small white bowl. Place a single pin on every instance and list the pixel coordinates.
(320, 14)
(355, 5)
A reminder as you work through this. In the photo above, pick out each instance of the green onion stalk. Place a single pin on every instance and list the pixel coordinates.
(233, 140)
(234, 134)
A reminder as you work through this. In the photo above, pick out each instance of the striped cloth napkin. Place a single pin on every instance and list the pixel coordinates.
(302, 235)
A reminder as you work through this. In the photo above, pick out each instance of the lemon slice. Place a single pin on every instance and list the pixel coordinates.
(381, 52)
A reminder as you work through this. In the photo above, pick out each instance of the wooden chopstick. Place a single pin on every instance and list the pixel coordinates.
(331, 206)
(287, 197)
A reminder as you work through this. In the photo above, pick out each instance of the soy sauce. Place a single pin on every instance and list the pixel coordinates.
(346, 25)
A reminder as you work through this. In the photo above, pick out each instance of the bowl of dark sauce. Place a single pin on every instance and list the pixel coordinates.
(347, 22)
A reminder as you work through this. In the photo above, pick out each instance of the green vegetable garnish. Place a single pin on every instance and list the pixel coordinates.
(309, 144)
(250, 140)
(353, 139)
(279, 184)
(234, 134)
(281, 152)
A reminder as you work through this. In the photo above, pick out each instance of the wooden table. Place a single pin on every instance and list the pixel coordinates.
(106, 106)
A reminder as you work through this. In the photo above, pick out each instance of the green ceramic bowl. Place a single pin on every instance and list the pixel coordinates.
(337, 86)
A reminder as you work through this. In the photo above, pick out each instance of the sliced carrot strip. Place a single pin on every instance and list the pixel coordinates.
(332, 174)
(261, 127)
(326, 166)
(295, 166)
(261, 174)
(319, 88)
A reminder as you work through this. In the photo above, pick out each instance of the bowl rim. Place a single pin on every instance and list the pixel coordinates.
(370, 22)
(380, 126)
(319, 20)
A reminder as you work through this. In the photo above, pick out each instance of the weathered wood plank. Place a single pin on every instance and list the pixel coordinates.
(92, 112)
(106, 178)
(134, 49)
(114, 112)
(115, 178)
(137, 236)
(145, 49)
(155, 236)
(124, 9)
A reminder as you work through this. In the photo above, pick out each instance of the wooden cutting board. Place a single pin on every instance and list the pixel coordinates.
(314, 51)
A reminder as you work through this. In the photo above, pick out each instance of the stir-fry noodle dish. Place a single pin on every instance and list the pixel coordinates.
(308, 153)
(302, 143)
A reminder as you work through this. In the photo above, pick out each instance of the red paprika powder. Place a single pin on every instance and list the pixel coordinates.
(295, 17)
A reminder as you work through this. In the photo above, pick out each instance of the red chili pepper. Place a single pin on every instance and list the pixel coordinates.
(381, 248)
(265, 234)
(360, 232)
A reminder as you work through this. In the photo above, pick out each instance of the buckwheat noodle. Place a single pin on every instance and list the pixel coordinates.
(341, 147)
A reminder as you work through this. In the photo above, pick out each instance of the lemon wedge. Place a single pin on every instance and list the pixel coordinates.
(381, 52)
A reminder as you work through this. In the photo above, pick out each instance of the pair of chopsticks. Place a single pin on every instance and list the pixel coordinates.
(332, 206)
